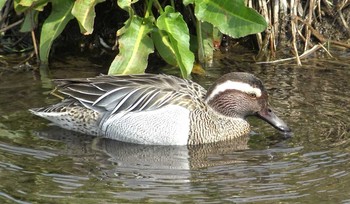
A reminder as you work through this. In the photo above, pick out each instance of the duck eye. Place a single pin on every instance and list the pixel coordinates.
(253, 95)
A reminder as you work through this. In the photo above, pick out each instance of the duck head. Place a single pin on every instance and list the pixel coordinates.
(240, 94)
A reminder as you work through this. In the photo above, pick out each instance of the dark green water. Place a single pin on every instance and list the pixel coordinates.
(45, 164)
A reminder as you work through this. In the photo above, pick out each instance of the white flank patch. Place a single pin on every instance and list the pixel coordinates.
(239, 86)
(168, 125)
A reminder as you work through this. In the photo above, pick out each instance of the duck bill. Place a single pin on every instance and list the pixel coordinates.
(269, 116)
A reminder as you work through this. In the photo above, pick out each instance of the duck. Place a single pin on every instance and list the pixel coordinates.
(159, 109)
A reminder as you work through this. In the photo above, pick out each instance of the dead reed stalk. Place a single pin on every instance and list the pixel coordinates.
(297, 24)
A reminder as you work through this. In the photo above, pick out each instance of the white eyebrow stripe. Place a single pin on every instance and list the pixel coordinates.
(239, 86)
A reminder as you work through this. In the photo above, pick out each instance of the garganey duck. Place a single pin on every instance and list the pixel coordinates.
(161, 109)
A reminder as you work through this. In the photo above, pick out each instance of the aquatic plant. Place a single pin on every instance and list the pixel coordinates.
(161, 26)
(181, 31)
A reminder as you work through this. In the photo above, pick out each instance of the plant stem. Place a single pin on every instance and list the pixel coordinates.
(149, 6)
(294, 14)
(158, 6)
(200, 52)
(35, 45)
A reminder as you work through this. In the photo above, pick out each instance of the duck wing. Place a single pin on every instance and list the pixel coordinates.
(129, 93)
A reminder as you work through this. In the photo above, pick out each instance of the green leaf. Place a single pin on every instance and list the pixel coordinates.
(134, 47)
(24, 5)
(30, 21)
(231, 17)
(126, 5)
(163, 45)
(2, 3)
(186, 2)
(84, 11)
(54, 25)
(173, 24)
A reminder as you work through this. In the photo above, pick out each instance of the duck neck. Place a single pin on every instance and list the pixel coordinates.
(209, 126)
(227, 104)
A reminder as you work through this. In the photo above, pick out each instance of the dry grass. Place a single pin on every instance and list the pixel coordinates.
(297, 25)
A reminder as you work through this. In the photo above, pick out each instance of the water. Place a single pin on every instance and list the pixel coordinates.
(45, 164)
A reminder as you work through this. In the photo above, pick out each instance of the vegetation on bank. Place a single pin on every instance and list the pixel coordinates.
(299, 28)
(181, 32)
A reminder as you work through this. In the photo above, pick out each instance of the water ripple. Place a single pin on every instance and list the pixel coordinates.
(39, 154)
(10, 167)
(8, 197)
(310, 167)
(272, 197)
(67, 182)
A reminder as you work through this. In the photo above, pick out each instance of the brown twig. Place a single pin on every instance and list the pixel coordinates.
(320, 37)
(54, 93)
(6, 11)
(343, 21)
(25, 60)
(294, 5)
(303, 56)
(309, 21)
(11, 25)
(35, 44)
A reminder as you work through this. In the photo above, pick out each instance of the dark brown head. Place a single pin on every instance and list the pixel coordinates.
(240, 94)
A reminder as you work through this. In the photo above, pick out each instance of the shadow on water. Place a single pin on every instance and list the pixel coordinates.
(45, 164)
